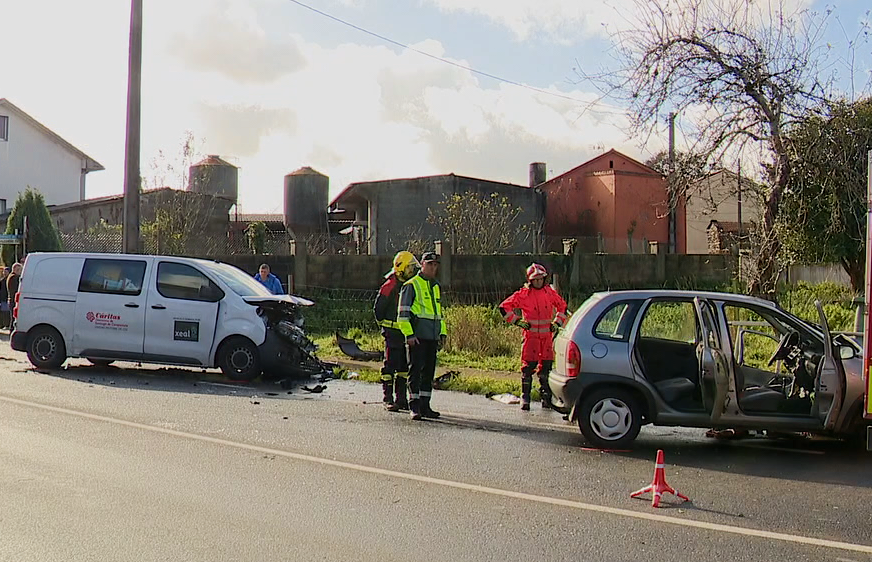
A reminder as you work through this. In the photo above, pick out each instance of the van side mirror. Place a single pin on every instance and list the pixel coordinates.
(846, 352)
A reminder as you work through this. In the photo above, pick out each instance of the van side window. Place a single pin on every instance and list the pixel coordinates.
(113, 277)
(180, 281)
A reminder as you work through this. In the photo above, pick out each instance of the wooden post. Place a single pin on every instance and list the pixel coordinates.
(132, 181)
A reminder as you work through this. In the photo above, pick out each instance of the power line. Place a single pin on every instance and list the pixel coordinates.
(440, 59)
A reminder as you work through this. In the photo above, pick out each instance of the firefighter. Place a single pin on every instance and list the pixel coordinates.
(540, 311)
(421, 321)
(396, 367)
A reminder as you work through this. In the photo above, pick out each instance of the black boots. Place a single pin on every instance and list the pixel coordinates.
(415, 409)
(526, 388)
(427, 411)
(388, 400)
(421, 409)
(401, 401)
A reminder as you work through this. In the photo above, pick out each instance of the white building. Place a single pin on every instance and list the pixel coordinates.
(721, 197)
(32, 155)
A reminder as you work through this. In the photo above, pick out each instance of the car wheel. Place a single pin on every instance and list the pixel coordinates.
(45, 348)
(100, 362)
(239, 360)
(609, 418)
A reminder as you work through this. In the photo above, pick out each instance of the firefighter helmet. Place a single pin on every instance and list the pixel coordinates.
(536, 271)
(402, 261)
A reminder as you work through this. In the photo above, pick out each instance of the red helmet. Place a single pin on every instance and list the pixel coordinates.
(536, 271)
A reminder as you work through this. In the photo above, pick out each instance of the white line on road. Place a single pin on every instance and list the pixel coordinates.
(795, 539)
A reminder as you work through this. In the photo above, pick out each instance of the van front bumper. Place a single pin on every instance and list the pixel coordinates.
(18, 341)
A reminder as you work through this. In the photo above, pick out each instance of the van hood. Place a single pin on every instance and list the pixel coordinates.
(292, 299)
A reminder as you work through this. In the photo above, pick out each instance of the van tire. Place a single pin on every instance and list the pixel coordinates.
(239, 359)
(609, 417)
(46, 348)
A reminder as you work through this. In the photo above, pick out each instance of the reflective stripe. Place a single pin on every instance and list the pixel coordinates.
(426, 394)
(402, 375)
(387, 378)
(539, 321)
(414, 395)
(512, 317)
(389, 324)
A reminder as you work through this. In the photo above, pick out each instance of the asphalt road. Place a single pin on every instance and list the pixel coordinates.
(157, 464)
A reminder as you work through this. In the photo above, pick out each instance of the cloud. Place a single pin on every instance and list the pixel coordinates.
(238, 130)
(233, 47)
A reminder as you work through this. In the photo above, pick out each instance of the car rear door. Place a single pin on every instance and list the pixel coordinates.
(830, 381)
(714, 367)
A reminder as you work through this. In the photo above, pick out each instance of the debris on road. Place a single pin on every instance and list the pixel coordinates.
(317, 389)
(445, 379)
(350, 348)
(506, 398)
(353, 375)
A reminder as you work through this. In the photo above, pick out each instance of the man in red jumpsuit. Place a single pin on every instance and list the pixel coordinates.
(540, 311)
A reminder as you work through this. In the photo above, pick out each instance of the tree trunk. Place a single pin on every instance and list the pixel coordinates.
(856, 270)
(765, 281)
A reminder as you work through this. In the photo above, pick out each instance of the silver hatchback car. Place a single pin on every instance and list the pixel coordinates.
(709, 360)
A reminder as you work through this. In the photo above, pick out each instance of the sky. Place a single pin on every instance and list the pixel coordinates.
(272, 86)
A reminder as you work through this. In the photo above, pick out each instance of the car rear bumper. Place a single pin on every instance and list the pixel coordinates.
(564, 391)
(18, 341)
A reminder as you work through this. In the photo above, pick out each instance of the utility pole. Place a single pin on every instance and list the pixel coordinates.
(867, 329)
(132, 181)
(673, 200)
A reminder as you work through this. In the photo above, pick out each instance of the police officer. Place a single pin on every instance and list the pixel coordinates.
(421, 322)
(396, 367)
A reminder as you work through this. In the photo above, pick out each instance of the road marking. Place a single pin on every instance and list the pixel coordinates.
(595, 508)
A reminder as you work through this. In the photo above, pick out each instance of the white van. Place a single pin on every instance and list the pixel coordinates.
(154, 309)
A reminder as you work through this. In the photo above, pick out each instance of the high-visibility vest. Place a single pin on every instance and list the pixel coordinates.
(389, 324)
(426, 306)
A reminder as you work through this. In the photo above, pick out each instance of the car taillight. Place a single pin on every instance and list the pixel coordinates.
(573, 359)
(15, 310)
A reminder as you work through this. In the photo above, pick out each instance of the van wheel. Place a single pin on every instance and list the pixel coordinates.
(100, 362)
(45, 348)
(239, 360)
(609, 418)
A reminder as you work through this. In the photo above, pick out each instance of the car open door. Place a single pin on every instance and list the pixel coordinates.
(830, 381)
(714, 369)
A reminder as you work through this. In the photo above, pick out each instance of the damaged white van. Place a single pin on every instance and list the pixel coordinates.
(154, 309)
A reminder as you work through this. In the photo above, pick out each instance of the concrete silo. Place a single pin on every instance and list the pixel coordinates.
(214, 176)
(306, 197)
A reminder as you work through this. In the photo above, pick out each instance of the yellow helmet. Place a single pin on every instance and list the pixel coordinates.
(402, 262)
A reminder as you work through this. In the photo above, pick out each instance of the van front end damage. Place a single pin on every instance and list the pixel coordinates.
(287, 352)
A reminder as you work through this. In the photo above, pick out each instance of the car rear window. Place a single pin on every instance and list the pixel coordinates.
(617, 321)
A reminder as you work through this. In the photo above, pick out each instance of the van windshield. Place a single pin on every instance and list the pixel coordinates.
(239, 282)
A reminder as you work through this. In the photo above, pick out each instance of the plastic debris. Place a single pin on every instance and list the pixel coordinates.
(507, 398)
(352, 375)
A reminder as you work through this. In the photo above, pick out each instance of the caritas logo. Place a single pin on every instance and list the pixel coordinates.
(102, 316)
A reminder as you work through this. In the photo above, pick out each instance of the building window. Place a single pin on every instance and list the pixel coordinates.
(4, 128)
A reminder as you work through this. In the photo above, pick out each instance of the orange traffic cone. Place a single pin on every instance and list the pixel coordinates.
(659, 486)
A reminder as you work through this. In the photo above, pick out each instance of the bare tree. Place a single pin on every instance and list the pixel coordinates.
(747, 72)
(479, 224)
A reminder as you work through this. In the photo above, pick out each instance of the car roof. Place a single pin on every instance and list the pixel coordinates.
(642, 294)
